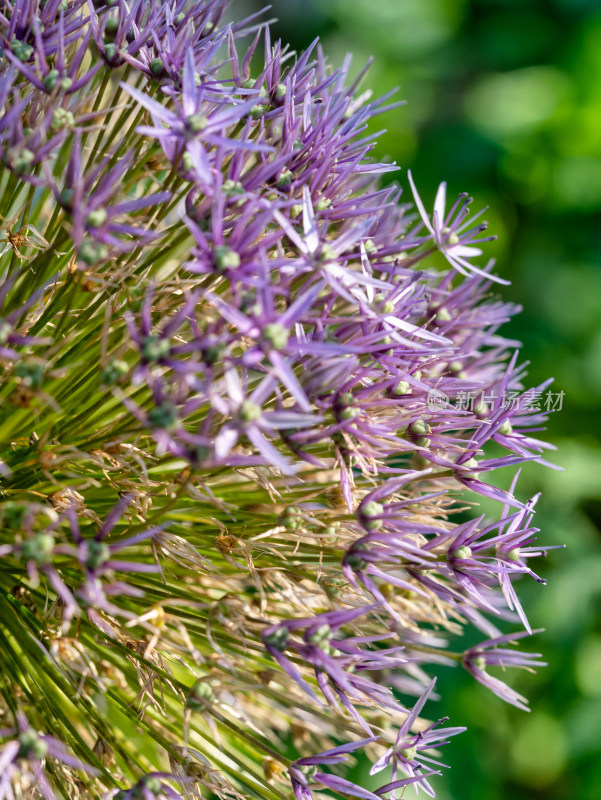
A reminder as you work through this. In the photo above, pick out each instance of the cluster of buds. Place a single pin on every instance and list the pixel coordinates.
(219, 341)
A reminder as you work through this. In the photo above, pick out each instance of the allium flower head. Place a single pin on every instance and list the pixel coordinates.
(242, 403)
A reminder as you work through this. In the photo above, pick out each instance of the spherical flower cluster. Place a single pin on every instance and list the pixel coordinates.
(246, 391)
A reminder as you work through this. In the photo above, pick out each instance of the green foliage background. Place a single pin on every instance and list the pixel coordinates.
(504, 101)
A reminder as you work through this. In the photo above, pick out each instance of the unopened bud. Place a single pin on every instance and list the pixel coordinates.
(21, 50)
(321, 636)
(49, 81)
(278, 639)
(113, 372)
(285, 179)
(276, 335)
(93, 252)
(31, 745)
(401, 388)
(163, 416)
(155, 348)
(39, 548)
(201, 694)
(97, 217)
(226, 258)
(419, 428)
(196, 123)
(505, 429)
(98, 554)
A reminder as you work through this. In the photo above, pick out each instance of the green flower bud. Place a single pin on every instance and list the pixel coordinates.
(31, 745)
(442, 315)
(110, 51)
(163, 416)
(469, 467)
(232, 188)
(250, 412)
(196, 123)
(22, 50)
(49, 80)
(513, 555)
(372, 509)
(452, 238)
(66, 83)
(308, 770)
(321, 636)
(213, 353)
(462, 552)
(280, 91)
(479, 662)
(278, 639)
(20, 159)
(323, 203)
(66, 197)
(187, 162)
(113, 372)
(409, 753)
(153, 785)
(5, 331)
(481, 410)
(98, 554)
(292, 519)
(111, 28)
(401, 388)
(505, 429)
(155, 348)
(355, 562)
(97, 217)
(249, 83)
(419, 428)
(62, 119)
(276, 334)
(226, 258)
(93, 252)
(369, 514)
(257, 111)
(327, 253)
(31, 374)
(157, 67)
(201, 694)
(39, 548)
(285, 179)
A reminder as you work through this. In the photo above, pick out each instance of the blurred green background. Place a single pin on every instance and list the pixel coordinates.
(504, 101)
